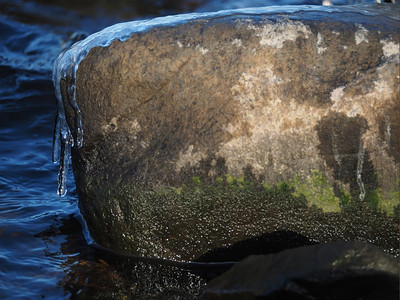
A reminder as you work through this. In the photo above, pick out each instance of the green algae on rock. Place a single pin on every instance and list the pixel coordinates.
(185, 124)
(184, 224)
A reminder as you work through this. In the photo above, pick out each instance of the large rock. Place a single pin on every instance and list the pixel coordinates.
(341, 270)
(188, 126)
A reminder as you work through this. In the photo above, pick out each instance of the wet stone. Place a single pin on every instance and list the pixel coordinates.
(213, 129)
(341, 270)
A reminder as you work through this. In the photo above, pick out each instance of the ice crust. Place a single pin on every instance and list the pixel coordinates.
(67, 64)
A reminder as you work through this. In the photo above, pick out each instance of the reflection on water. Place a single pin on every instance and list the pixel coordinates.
(84, 274)
(43, 252)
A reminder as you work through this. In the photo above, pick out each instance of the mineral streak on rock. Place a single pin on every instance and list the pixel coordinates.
(196, 99)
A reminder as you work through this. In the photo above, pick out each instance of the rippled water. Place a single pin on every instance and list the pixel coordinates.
(41, 240)
(43, 252)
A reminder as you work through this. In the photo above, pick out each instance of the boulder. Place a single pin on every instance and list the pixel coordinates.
(341, 270)
(203, 130)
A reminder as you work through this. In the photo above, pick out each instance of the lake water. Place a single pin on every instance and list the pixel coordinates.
(43, 250)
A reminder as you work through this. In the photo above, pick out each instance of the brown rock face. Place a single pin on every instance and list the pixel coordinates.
(187, 127)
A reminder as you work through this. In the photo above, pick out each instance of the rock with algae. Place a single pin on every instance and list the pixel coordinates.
(181, 125)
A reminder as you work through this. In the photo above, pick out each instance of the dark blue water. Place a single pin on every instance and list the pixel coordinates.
(43, 252)
(41, 241)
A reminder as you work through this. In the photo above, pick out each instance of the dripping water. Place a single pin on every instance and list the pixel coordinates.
(336, 155)
(360, 162)
(387, 131)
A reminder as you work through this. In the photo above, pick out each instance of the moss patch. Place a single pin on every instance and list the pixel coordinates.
(186, 222)
(389, 201)
(317, 191)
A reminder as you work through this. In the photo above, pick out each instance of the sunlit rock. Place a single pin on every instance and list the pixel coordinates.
(203, 130)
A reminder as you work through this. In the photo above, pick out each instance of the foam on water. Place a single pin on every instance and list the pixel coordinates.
(67, 63)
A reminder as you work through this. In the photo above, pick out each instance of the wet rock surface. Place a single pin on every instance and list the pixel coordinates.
(263, 244)
(187, 129)
(341, 270)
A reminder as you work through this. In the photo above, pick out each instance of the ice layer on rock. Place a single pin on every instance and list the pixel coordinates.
(67, 63)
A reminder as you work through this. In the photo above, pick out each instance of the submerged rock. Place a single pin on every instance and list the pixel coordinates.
(341, 270)
(189, 125)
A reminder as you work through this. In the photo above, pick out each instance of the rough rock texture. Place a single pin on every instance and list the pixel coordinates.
(341, 270)
(183, 125)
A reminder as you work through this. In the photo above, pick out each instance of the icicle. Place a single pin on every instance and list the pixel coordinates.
(67, 143)
(78, 115)
(56, 140)
(63, 140)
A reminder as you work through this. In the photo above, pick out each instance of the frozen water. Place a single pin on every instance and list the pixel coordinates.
(67, 63)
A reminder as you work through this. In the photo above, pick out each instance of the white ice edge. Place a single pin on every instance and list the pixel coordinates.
(67, 63)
